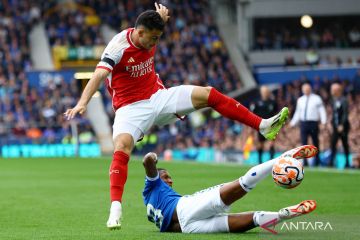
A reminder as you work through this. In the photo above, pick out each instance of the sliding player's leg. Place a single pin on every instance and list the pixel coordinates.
(230, 108)
(204, 211)
(233, 191)
(197, 208)
(241, 222)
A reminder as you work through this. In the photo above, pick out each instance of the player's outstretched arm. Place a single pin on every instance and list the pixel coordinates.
(149, 162)
(163, 11)
(91, 87)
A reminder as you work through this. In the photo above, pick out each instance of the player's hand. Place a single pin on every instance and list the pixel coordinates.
(70, 113)
(163, 11)
(152, 156)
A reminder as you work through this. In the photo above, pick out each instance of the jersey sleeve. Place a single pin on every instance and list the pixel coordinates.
(150, 183)
(114, 51)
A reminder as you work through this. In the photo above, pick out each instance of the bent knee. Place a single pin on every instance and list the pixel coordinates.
(200, 97)
(207, 91)
(124, 143)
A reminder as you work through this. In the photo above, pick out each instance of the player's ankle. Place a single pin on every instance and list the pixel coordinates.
(116, 203)
(264, 124)
(115, 206)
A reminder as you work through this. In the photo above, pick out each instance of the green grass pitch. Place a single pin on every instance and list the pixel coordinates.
(69, 199)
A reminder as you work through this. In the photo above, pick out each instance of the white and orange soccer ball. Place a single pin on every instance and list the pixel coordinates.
(287, 172)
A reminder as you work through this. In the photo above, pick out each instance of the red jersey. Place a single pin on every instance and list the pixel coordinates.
(132, 73)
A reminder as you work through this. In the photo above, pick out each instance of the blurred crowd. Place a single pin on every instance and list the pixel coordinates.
(280, 34)
(34, 114)
(31, 114)
(72, 25)
(313, 58)
(15, 19)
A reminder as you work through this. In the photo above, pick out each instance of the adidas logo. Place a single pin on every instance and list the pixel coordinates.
(131, 60)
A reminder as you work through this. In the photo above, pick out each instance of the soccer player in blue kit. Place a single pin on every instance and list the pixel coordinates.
(206, 211)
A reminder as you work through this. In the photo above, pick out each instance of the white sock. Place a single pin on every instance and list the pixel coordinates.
(115, 210)
(266, 218)
(265, 124)
(255, 175)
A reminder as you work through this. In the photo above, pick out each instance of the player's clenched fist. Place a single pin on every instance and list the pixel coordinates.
(150, 157)
(163, 11)
(70, 113)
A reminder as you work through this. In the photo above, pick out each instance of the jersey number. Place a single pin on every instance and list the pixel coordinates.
(154, 215)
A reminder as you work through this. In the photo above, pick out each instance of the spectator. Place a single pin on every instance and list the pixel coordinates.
(277, 33)
(34, 133)
(356, 83)
(86, 135)
(265, 108)
(309, 110)
(340, 123)
(354, 36)
(312, 57)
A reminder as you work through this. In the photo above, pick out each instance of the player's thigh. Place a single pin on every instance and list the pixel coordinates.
(201, 205)
(134, 119)
(215, 224)
(175, 100)
(172, 103)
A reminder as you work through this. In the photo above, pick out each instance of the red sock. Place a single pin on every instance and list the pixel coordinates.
(232, 109)
(118, 175)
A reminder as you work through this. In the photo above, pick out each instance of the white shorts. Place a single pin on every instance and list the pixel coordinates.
(137, 118)
(203, 212)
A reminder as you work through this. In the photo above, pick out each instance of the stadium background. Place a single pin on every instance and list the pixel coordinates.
(49, 49)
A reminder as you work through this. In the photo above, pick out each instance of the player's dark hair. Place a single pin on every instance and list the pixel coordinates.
(151, 20)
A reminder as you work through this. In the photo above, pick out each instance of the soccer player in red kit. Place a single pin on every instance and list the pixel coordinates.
(140, 99)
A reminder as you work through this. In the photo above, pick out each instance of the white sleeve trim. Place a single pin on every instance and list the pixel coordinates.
(104, 64)
(153, 179)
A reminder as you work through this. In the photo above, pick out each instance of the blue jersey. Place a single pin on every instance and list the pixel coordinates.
(160, 201)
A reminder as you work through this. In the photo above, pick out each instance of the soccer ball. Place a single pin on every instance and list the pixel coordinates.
(287, 172)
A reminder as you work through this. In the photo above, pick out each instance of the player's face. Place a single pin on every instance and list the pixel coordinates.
(165, 176)
(149, 38)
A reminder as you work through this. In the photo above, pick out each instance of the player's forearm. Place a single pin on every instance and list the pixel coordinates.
(149, 162)
(92, 86)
